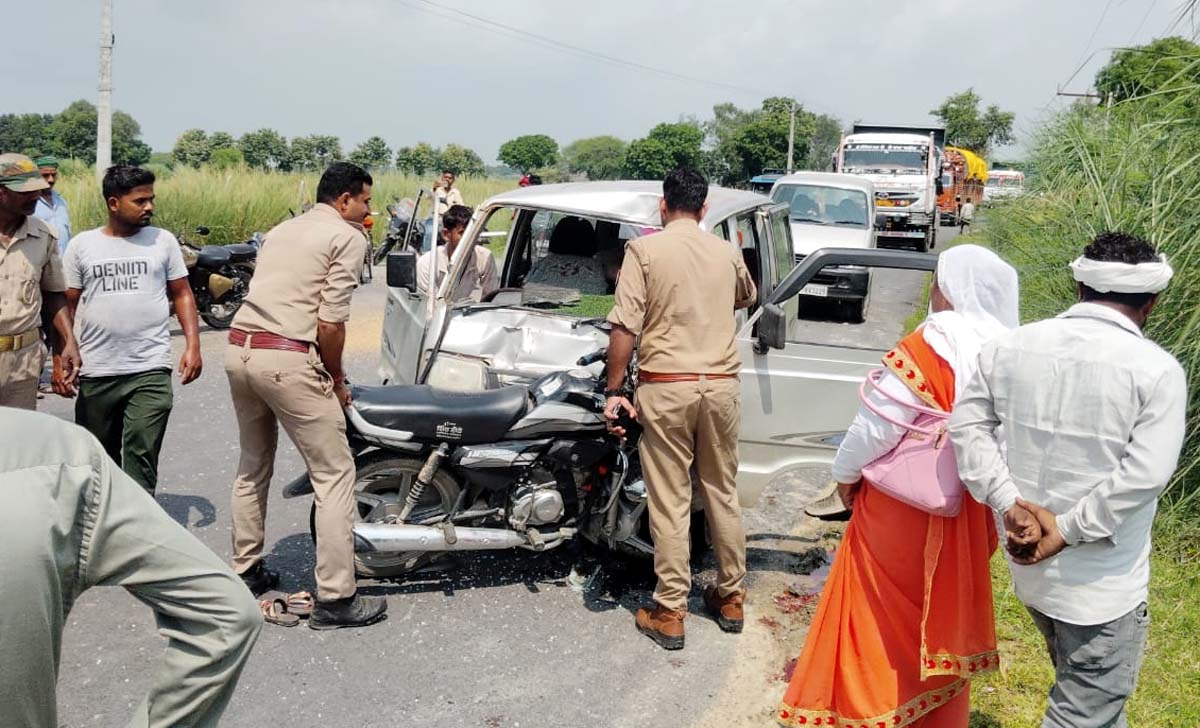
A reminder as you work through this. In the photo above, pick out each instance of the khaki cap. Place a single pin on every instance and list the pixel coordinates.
(19, 174)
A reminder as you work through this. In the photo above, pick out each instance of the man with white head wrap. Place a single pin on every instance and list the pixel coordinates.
(1093, 415)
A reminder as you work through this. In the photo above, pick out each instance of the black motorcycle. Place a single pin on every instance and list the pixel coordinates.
(404, 231)
(219, 276)
(519, 467)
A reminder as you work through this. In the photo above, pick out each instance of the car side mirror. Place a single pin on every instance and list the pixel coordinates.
(402, 270)
(202, 230)
(772, 328)
(880, 219)
(939, 186)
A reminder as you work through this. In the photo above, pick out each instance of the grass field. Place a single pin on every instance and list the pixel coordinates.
(236, 203)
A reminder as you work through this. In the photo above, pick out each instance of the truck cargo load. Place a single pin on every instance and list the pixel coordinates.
(964, 174)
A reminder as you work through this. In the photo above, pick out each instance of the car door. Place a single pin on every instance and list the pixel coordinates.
(800, 391)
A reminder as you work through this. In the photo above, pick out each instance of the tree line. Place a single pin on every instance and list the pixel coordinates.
(731, 146)
(71, 133)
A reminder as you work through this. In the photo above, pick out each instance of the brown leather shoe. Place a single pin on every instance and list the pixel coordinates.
(728, 611)
(664, 626)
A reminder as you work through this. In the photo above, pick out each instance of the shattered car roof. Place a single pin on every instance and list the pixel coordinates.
(633, 202)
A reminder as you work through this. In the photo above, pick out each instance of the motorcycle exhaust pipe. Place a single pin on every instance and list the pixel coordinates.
(398, 538)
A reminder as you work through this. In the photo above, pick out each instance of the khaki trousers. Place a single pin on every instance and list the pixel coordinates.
(692, 424)
(270, 388)
(19, 372)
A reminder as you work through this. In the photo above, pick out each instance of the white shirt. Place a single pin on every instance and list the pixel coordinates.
(967, 212)
(446, 200)
(1094, 417)
(477, 282)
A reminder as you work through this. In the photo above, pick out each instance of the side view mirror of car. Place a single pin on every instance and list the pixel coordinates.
(940, 187)
(772, 328)
(201, 230)
(880, 219)
(402, 270)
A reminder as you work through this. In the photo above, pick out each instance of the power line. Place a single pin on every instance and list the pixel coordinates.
(1145, 17)
(546, 40)
(515, 33)
(1088, 47)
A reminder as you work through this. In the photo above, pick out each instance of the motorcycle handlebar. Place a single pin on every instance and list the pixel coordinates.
(595, 356)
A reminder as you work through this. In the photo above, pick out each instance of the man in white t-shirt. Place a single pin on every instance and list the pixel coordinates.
(479, 280)
(445, 194)
(121, 281)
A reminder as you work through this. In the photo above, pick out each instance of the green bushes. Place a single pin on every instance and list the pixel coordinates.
(236, 202)
(1134, 167)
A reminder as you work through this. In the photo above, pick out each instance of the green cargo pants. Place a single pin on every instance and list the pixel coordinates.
(128, 415)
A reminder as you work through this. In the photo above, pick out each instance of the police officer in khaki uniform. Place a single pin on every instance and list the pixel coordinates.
(284, 363)
(677, 291)
(31, 277)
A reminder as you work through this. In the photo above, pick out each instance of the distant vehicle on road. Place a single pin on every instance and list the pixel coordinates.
(831, 211)
(763, 182)
(1003, 184)
(905, 164)
(963, 176)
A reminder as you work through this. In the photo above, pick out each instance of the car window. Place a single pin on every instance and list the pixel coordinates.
(858, 307)
(721, 230)
(781, 246)
(820, 205)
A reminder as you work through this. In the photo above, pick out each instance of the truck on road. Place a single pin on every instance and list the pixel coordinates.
(905, 165)
(963, 176)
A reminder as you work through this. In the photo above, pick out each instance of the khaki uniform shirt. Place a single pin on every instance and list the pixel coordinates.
(446, 200)
(477, 282)
(29, 265)
(678, 291)
(307, 270)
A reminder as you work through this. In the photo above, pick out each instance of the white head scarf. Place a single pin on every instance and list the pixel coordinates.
(984, 292)
(1112, 277)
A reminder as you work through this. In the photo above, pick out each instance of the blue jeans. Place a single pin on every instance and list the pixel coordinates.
(1095, 668)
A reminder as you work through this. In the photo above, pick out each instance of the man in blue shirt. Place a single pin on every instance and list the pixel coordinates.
(51, 207)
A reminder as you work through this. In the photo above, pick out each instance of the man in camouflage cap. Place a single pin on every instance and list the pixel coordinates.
(31, 278)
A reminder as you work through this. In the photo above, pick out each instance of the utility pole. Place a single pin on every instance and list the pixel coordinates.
(104, 103)
(791, 137)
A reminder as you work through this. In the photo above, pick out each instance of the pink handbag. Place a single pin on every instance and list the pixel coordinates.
(920, 470)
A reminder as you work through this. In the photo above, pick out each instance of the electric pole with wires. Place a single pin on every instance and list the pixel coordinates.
(104, 103)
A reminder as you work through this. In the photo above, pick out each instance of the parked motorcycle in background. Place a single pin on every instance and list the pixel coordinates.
(403, 231)
(219, 276)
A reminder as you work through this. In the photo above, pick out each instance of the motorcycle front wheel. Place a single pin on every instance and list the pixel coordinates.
(381, 484)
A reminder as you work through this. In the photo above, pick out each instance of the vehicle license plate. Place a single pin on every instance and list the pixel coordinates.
(815, 289)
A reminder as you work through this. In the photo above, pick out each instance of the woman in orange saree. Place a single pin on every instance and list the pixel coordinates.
(905, 619)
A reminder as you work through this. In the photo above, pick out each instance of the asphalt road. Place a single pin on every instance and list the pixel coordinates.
(495, 640)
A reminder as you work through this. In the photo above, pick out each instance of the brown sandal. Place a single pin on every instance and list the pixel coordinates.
(300, 603)
(275, 611)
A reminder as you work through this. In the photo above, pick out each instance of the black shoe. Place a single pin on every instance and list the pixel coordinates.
(260, 579)
(355, 611)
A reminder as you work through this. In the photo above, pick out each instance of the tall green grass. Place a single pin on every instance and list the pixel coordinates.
(1134, 168)
(236, 203)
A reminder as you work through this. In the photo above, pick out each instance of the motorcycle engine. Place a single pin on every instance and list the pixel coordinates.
(535, 501)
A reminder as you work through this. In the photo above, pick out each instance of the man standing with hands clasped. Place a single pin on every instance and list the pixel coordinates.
(284, 363)
(121, 281)
(1093, 415)
(678, 290)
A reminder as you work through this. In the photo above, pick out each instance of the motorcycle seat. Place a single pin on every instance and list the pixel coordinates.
(241, 252)
(212, 256)
(436, 415)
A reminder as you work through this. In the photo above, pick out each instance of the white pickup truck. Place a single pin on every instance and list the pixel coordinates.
(831, 211)
(561, 249)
